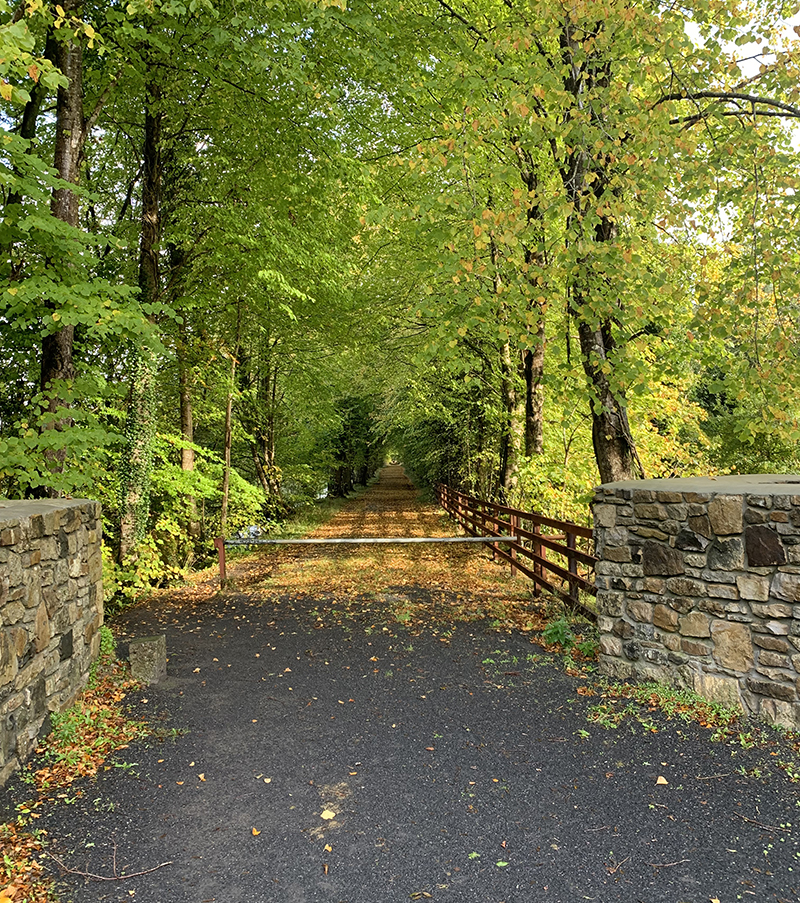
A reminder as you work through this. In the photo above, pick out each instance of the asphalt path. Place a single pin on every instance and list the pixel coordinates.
(349, 766)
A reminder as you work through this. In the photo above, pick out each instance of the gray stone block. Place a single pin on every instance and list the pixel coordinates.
(148, 658)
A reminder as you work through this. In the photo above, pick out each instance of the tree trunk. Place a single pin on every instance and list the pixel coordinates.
(228, 438)
(533, 374)
(187, 435)
(514, 426)
(614, 449)
(532, 363)
(226, 472)
(57, 366)
(136, 465)
(586, 178)
(30, 115)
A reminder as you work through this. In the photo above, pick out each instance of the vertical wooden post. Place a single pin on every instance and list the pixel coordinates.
(537, 551)
(219, 544)
(572, 566)
(513, 547)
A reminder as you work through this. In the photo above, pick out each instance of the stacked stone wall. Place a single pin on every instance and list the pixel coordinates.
(699, 586)
(51, 608)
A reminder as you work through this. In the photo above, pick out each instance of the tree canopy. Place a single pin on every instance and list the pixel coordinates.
(250, 251)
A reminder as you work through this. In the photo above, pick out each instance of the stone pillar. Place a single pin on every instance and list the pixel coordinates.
(699, 585)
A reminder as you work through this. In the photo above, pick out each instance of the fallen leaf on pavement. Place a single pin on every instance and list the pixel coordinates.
(327, 814)
(662, 780)
(255, 831)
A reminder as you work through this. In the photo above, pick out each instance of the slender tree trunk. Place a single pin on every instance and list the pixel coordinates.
(533, 374)
(30, 115)
(57, 366)
(514, 427)
(228, 438)
(136, 466)
(226, 472)
(532, 362)
(187, 435)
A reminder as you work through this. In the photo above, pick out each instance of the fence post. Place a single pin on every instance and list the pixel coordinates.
(537, 551)
(513, 547)
(572, 566)
(219, 545)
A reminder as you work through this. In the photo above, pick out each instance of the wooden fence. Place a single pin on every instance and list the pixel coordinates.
(567, 573)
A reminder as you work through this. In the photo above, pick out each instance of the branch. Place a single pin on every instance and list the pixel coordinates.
(468, 25)
(107, 877)
(731, 96)
(98, 107)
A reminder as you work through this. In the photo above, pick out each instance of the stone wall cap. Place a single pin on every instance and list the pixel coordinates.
(728, 484)
(20, 509)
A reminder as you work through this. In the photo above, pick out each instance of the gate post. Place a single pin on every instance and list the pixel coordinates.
(219, 545)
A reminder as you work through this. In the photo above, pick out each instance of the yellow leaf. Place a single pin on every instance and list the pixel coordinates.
(5, 90)
(202, 777)
(662, 780)
(328, 848)
(327, 814)
(255, 831)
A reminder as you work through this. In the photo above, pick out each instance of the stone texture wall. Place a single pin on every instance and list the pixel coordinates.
(699, 586)
(51, 606)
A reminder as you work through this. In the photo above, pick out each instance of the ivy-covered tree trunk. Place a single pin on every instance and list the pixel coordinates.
(57, 365)
(137, 462)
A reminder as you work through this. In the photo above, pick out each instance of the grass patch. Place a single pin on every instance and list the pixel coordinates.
(636, 702)
(87, 733)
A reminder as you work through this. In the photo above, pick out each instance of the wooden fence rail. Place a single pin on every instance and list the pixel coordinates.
(568, 574)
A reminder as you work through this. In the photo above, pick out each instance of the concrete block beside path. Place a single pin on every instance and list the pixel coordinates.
(148, 658)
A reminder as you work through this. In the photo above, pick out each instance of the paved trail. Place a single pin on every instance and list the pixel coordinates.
(353, 761)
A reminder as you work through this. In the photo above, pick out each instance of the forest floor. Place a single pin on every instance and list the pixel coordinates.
(377, 723)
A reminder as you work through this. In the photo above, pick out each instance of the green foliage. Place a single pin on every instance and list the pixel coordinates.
(378, 252)
(559, 632)
(108, 645)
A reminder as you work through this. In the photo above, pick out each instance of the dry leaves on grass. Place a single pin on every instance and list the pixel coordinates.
(84, 736)
(22, 878)
(81, 740)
